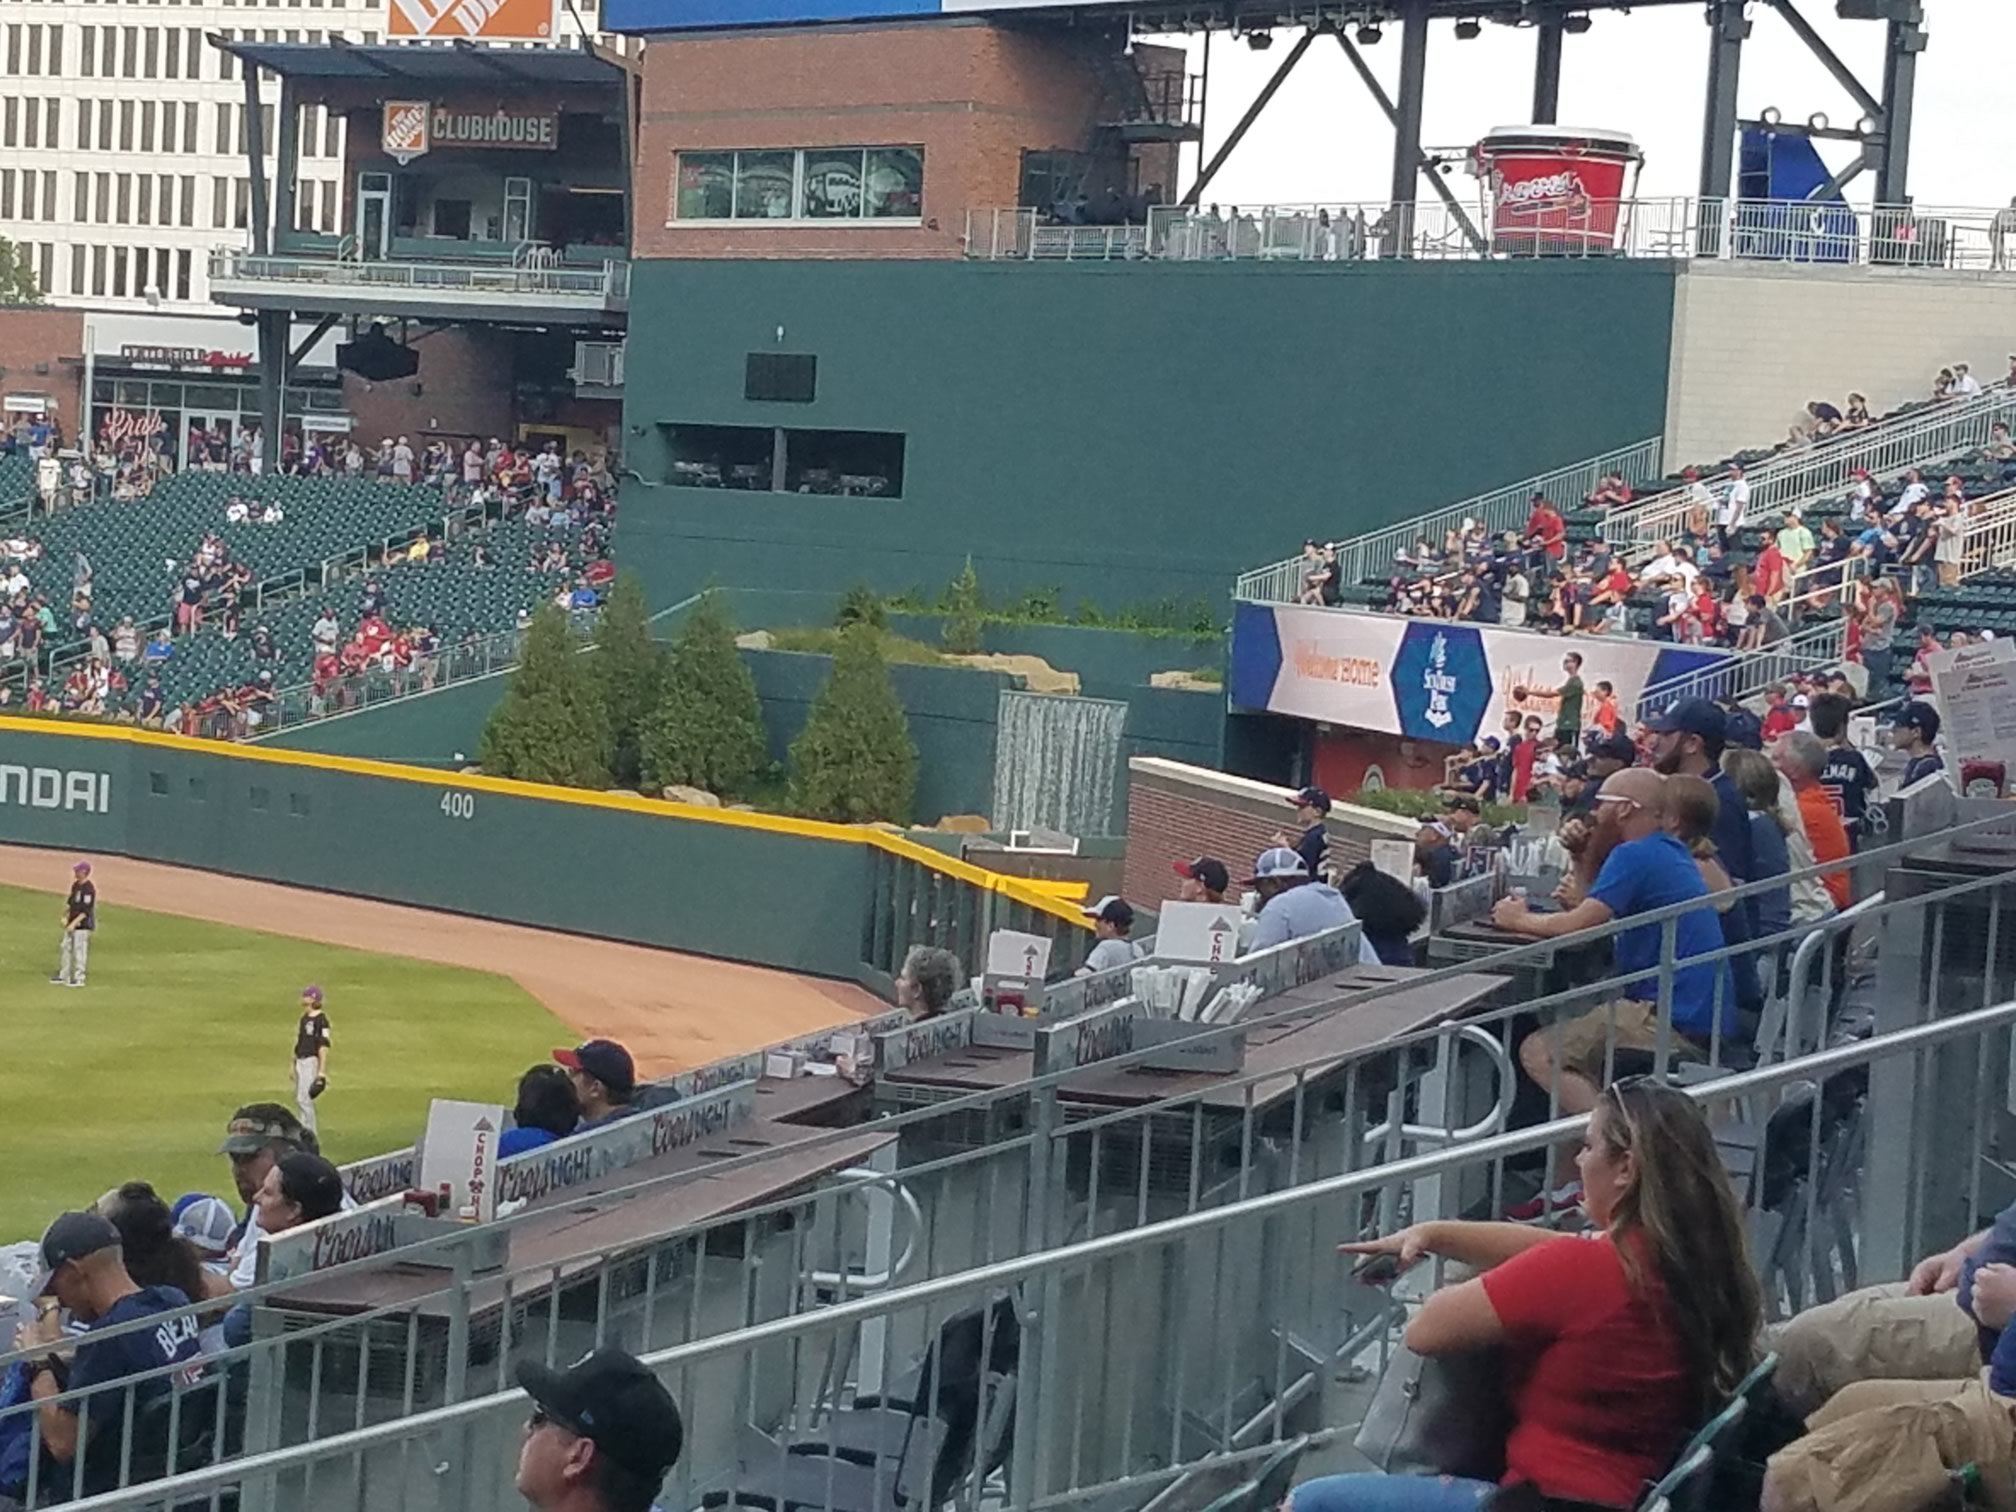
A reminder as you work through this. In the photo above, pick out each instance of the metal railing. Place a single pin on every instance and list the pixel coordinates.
(607, 285)
(1751, 672)
(1801, 476)
(1153, 1358)
(1784, 231)
(1371, 554)
(1989, 545)
(1029, 1168)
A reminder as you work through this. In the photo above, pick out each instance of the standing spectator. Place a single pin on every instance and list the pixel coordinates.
(1779, 716)
(80, 922)
(1700, 504)
(1795, 543)
(1735, 505)
(1846, 776)
(1802, 757)
(1879, 630)
(1606, 716)
(1547, 533)
(1293, 905)
(547, 1109)
(1965, 384)
(84, 1269)
(601, 1436)
(1757, 782)
(1112, 921)
(311, 1056)
(604, 1077)
(1312, 810)
(1688, 740)
(1915, 732)
(1950, 554)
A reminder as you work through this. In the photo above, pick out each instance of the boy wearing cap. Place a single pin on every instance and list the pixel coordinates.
(84, 1274)
(600, 1438)
(80, 920)
(604, 1077)
(311, 1055)
(1312, 809)
(1113, 921)
(1914, 733)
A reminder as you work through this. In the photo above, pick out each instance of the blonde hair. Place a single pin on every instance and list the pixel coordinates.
(1757, 780)
(1680, 1215)
(1691, 807)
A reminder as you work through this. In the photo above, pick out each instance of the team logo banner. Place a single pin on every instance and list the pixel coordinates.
(1428, 679)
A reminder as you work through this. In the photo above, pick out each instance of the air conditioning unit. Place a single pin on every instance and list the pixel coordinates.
(598, 364)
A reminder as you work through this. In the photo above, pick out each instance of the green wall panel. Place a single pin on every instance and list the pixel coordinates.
(1125, 433)
(427, 731)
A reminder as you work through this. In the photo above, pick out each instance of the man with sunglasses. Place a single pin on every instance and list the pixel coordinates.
(600, 1438)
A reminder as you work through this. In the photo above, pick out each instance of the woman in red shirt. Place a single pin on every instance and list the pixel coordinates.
(1616, 1344)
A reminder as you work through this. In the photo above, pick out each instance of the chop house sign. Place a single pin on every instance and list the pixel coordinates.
(414, 127)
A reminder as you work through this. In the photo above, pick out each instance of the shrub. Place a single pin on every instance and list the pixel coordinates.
(630, 672)
(862, 605)
(965, 613)
(707, 728)
(552, 725)
(855, 761)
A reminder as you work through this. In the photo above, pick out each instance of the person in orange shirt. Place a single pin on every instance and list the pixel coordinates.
(1802, 756)
(1604, 715)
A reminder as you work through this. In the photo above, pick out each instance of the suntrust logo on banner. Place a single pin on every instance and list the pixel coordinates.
(54, 788)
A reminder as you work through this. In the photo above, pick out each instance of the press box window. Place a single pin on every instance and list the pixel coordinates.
(762, 459)
(803, 184)
(780, 377)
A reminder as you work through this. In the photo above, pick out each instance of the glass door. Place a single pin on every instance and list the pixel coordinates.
(517, 211)
(374, 215)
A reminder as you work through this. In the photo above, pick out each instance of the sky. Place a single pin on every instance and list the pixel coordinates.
(1323, 140)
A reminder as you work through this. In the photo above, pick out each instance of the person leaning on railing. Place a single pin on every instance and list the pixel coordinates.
(1614, 1347)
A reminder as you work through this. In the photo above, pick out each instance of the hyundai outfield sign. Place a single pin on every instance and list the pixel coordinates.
(1429, 679)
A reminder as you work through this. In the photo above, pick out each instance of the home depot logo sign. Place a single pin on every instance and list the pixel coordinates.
(405, 135)
(476, 20)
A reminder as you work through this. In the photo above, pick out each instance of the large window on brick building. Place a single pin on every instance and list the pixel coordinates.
(798, 460)
(820, 184)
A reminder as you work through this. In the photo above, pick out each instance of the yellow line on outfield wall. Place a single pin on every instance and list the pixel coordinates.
(1017, 889)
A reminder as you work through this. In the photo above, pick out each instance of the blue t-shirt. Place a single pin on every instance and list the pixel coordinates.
(1656, 872)
(517, 1141)
(1998, 1351)
(99, 1361)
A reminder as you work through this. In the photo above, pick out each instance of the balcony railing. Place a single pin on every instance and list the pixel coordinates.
(608, 285)
(1970, 238)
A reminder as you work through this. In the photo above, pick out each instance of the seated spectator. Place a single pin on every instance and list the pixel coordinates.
(604, 1078)
(1691, 807)
(299, 1188)
(1615, 1346)
(1857, 416)
(1611, 490)
(1642, 867)
(257, 1138)
(1112, 921)
(928, 980)
(84, 1271)
(206, 1224)
(1389, 910)
(159, 1253)
(1204, 880)
(547, 1109)
(1294, 906)
(1915, 733)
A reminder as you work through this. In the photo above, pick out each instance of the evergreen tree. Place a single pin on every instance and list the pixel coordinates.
(963, 610)
(707, 728)
(630, 673)
(17, 276)
(855, 761)
(551, 725)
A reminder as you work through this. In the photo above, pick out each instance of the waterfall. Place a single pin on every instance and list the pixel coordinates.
(1057, 763)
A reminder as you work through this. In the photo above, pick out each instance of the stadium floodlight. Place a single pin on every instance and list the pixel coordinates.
(1369, 33)
(1260, 41)
(1469, 29)
(1574, 26)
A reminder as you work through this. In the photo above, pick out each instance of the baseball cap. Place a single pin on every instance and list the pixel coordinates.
(313, 993)
(1617, 748)
(71, 1237)
(1693, 716)
(1314, 797)
(82, 868)
(1919, 716)
(1278, 862)
(611, 1400)
(1745, 729)
(605, 1060)
(1206, 870)
(206, 1222)
(1466, 801)
(1113, 910)
(1801, 701)
(257, 1125)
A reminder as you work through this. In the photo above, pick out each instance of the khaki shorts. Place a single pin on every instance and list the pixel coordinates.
(1889, 1446)
(1879, 1333)
(1583, 1044)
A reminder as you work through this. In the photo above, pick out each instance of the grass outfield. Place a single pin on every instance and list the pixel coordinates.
(135, 1076)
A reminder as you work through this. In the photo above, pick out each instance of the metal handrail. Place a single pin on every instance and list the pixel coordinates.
(609, 282)
(1752, 671)
(1798, 477)
(1500, 510)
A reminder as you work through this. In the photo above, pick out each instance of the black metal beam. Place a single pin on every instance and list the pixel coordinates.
(1828, 58)
(286, 158)
(1547, 69)
(255, 152)
(1407, 123)
(300, 354)
(1729, 29)
(1905, 41)
(1245, 123)
(1387, 108)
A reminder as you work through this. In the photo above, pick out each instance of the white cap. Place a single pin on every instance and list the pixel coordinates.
(1279, 862)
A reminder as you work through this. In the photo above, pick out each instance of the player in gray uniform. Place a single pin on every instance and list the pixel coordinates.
(311, 1055)
(80, 921)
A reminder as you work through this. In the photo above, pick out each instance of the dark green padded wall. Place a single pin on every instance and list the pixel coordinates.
(1125, 432)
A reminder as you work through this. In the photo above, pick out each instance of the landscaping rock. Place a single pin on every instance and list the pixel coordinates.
(964, 824)
(697, 797)
(1184, 681)
(755, 640)
(1037, 675)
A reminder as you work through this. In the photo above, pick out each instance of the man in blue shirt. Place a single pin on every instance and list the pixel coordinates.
(1644, 869)
(1915, 732)
(84, 1272)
